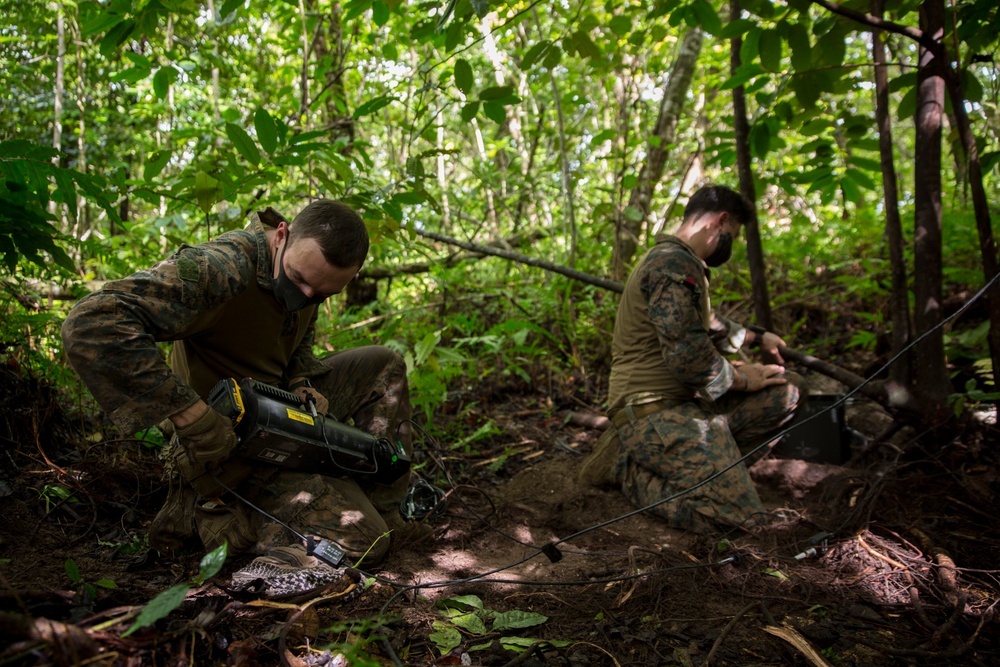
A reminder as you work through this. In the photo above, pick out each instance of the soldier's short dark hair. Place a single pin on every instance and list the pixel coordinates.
(717, 199)
(338, 228)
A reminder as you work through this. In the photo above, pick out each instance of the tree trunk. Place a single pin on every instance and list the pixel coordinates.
(930, 374)
(899, 303)
(755, 251)
(675, 92)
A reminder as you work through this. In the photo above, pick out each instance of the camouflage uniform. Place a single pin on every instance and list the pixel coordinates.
(215, 301)
(677, 420)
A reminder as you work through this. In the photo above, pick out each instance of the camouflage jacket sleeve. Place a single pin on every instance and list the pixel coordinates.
(111, 335)
(673, 286)
(727, 335)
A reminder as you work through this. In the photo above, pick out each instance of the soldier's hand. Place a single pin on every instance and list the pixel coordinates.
(202, 446)
(322, 405)
(769, 344)
(758, 376)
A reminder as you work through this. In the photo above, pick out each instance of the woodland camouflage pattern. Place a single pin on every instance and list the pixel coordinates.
(703, 427)
(215, 301)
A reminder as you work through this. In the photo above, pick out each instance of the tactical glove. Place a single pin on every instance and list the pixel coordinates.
(201, 449)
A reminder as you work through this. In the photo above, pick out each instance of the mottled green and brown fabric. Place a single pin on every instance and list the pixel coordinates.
(669, 347)
(215, 301)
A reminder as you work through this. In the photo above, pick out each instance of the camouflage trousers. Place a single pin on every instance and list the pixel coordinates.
(366, 386)
(675, 448)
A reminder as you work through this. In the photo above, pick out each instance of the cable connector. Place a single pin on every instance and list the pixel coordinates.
(552, 552)
(326, 551)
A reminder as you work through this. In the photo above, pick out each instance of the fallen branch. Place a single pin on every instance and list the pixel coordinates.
(587, 278)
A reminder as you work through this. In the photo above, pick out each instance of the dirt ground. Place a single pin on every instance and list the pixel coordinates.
(889, 560)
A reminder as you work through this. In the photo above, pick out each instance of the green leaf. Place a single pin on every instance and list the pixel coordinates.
(244, 144)
(445, 637)
(155, 164)
(480, 7)
(620, 25)
(116, 37)
(633, 213)
(707, 18)
(601, 137)
(585, 45)
(470, 622)
(373, 105)
(736, 28)
(380, 13)
(750, 48)
(907, 105)
(132, 74)
(494, 93)
(534, 53)
(106, 583)
(267, 131)
(775, 573)
(743, 74)
(207, 190)
(230, 6)
(860, 177)
(72, 571)
(159, 607)
(517, 619)
(798, 42)
(495, 112)
(469, 111)
(212, 562)
(520, 643)
(972, 90)
(463, 76)
(409, 197)
(851, 191)
(770, 50)
(463, 602)
(553, 57)
(164, 76)
(760, 140)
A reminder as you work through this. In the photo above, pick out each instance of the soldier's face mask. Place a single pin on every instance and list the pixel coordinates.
(723, 251)
(287, 292)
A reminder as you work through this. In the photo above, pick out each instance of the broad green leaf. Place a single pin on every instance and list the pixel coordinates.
(707, 18)
(380, 13)
(495, 93)
(816, 127)
(132, 74)
(230, 6)
(736, 28)
(22, 148)
(305, 136)
(159, 607)
(155, 164)
(469, 111)
(971, 88)
(164, 76)
(463, 76)
(860, 177)
(750, 48)
(72, 571)
(389, 51)
(620, 25)
(633, 213)
(520, 643)
(393, 210)
(211, 563)
(798, 42)
(470, 622)
(116, 37)
(102, 22)
(373, 105)
(601, 137)
(267, 131)
(831, 48)
(106, 583)
(445, 637)
(851, 191)
(534, 53)
(464, 602)
(207, 190)
(454, 34)
(760, 140)
(495, 112)
(744, 73)
(409, 197)
(244, 144)
(585, 45)
(480, 7)
(552, 57)
(770, 50)
(907, 105)
(989, 160)
(517, 619)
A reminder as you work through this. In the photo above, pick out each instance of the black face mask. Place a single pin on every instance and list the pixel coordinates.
(723, 251)
(288, 293)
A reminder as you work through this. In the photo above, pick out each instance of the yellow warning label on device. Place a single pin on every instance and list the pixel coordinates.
(300, 417)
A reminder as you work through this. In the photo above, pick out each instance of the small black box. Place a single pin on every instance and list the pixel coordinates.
(825, 439)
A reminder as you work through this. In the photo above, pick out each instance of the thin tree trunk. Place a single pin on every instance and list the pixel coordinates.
(674, 96)
(899, 301)
(929, 373)
(59, 92)
(755, 251)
